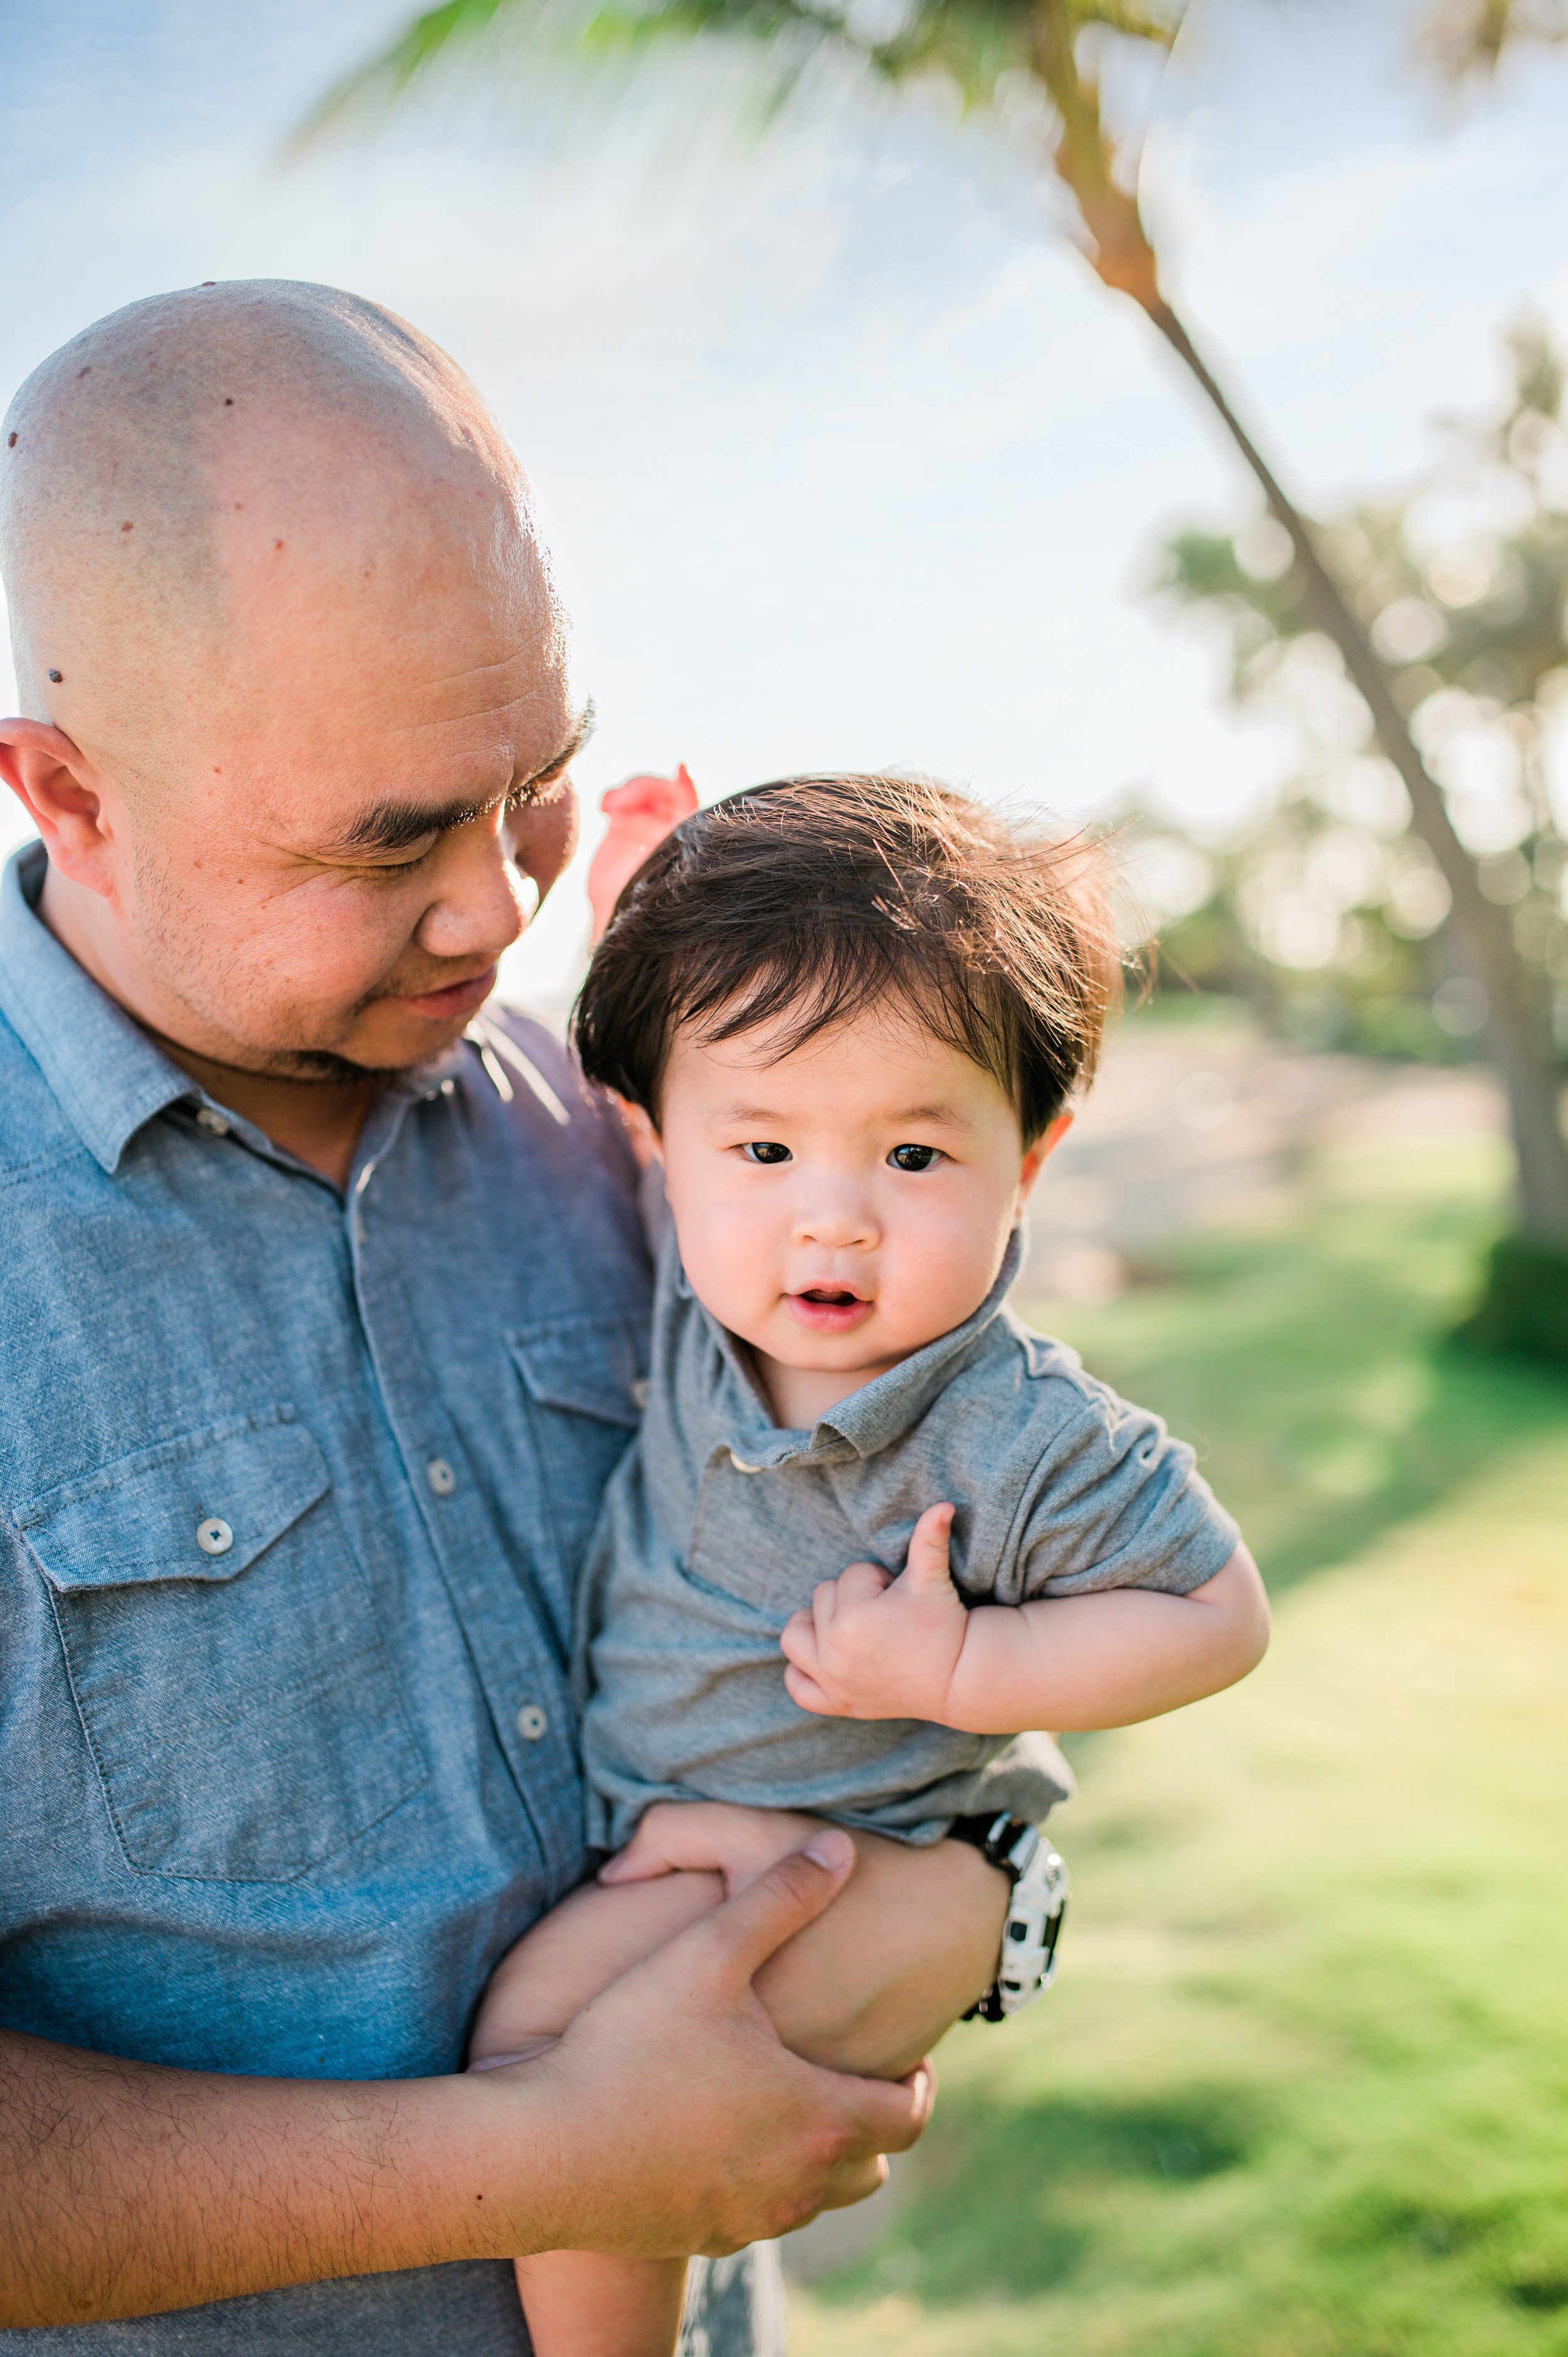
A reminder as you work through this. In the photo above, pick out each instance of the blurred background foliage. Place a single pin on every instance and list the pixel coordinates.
(1325, 913)
(1434, 643)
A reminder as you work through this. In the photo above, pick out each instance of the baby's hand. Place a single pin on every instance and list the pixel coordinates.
(711, 1838)
(872, 1647)
(641, 814)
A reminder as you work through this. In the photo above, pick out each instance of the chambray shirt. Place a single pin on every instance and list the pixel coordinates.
(718, 1525)
(294, 1486)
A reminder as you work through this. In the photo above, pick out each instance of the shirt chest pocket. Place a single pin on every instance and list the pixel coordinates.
(584, 1388)
(222, 1648)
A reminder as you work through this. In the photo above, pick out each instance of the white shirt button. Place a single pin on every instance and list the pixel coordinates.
(741, 1466)
(639, 1391)
(531, 1722)
(208, 1120)
(441, 1477)
(213, 1536)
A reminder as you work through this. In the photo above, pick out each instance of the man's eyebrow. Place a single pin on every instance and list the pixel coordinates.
(397, 825)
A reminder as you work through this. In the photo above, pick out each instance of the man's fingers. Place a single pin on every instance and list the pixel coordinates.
(636, 1865)
(889, 2115)
(741, 1935)
(926, 1564)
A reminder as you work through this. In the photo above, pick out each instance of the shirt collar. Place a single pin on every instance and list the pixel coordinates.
(107, 1077)
(882, 1411)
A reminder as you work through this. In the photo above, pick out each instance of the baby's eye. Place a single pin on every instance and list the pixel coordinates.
(915, 1157)
(763, 1150)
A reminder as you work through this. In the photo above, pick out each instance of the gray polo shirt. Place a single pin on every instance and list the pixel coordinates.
(718, 1524)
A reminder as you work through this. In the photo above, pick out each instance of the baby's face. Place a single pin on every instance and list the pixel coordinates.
(841, 1205)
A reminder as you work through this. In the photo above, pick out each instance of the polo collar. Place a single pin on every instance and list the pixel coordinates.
(877, 1414)
(107, 1077)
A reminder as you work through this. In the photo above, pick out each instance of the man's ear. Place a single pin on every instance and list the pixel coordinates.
(57, 785)
(1043, 1148)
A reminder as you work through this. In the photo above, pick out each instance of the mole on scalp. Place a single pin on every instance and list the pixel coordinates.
(57, 676)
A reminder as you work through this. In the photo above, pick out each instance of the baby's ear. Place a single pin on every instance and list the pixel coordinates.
(645, 1143)
(1043, 1147)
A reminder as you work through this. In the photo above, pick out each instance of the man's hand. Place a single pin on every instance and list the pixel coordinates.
(668, 2119)
(719, 2135)
(872, 1647)
(640, 813)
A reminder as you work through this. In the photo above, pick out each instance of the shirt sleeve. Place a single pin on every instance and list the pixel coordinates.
(1114, 1502)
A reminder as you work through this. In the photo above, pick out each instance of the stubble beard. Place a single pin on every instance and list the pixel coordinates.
(173, 950)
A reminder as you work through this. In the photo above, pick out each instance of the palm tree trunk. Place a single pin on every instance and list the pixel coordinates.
(1516, 1021)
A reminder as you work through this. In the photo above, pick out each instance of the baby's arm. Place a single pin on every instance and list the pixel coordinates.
(875, 1647)
(640, 813)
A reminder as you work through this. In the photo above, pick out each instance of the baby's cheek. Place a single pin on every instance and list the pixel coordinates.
(944, 1266)
(728, 1260)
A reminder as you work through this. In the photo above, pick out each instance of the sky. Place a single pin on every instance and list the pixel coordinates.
(846, 458)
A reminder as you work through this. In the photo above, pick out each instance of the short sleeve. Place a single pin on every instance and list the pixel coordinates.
(1113, 1501)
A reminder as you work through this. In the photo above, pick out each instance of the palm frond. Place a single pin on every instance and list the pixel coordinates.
(1160, 25)
(384, 79)
(974, 42)
(1466, 39)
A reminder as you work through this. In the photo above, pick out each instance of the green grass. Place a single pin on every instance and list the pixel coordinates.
(1302, 2089)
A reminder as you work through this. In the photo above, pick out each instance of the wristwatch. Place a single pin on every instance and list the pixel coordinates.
(1035, 1914)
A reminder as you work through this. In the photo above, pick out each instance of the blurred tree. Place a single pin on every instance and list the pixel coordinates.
(1324, 911)
(990, 49)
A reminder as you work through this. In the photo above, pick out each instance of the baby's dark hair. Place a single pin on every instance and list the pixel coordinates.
(810, 901)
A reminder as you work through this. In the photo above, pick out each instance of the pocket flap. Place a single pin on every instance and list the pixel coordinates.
(240, 1483)
(591, 1365)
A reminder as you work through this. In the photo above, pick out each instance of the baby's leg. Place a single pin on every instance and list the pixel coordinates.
(594, 1936)
(841, 1993)
(589, 2303)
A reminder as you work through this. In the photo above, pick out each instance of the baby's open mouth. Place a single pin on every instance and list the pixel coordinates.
(829, 1308)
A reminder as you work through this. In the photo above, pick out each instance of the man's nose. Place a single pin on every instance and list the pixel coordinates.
(482, 903)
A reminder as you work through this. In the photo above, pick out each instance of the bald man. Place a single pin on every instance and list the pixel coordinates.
(323, 1326)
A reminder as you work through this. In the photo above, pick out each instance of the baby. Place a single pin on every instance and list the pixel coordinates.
(847, 1015)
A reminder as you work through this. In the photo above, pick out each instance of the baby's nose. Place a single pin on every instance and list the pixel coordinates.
(840, 1218)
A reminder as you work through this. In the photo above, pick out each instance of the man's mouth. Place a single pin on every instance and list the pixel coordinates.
(454, 999)
(830, 1308)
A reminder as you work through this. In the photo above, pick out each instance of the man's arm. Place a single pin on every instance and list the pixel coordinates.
(669, 2119)
(872, 1647)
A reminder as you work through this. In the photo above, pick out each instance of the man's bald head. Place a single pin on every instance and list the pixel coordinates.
(297, 715)
(196, 490)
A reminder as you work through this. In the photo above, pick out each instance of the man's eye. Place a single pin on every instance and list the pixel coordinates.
(762, 1150)
(394, 863)
(914, 1158)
